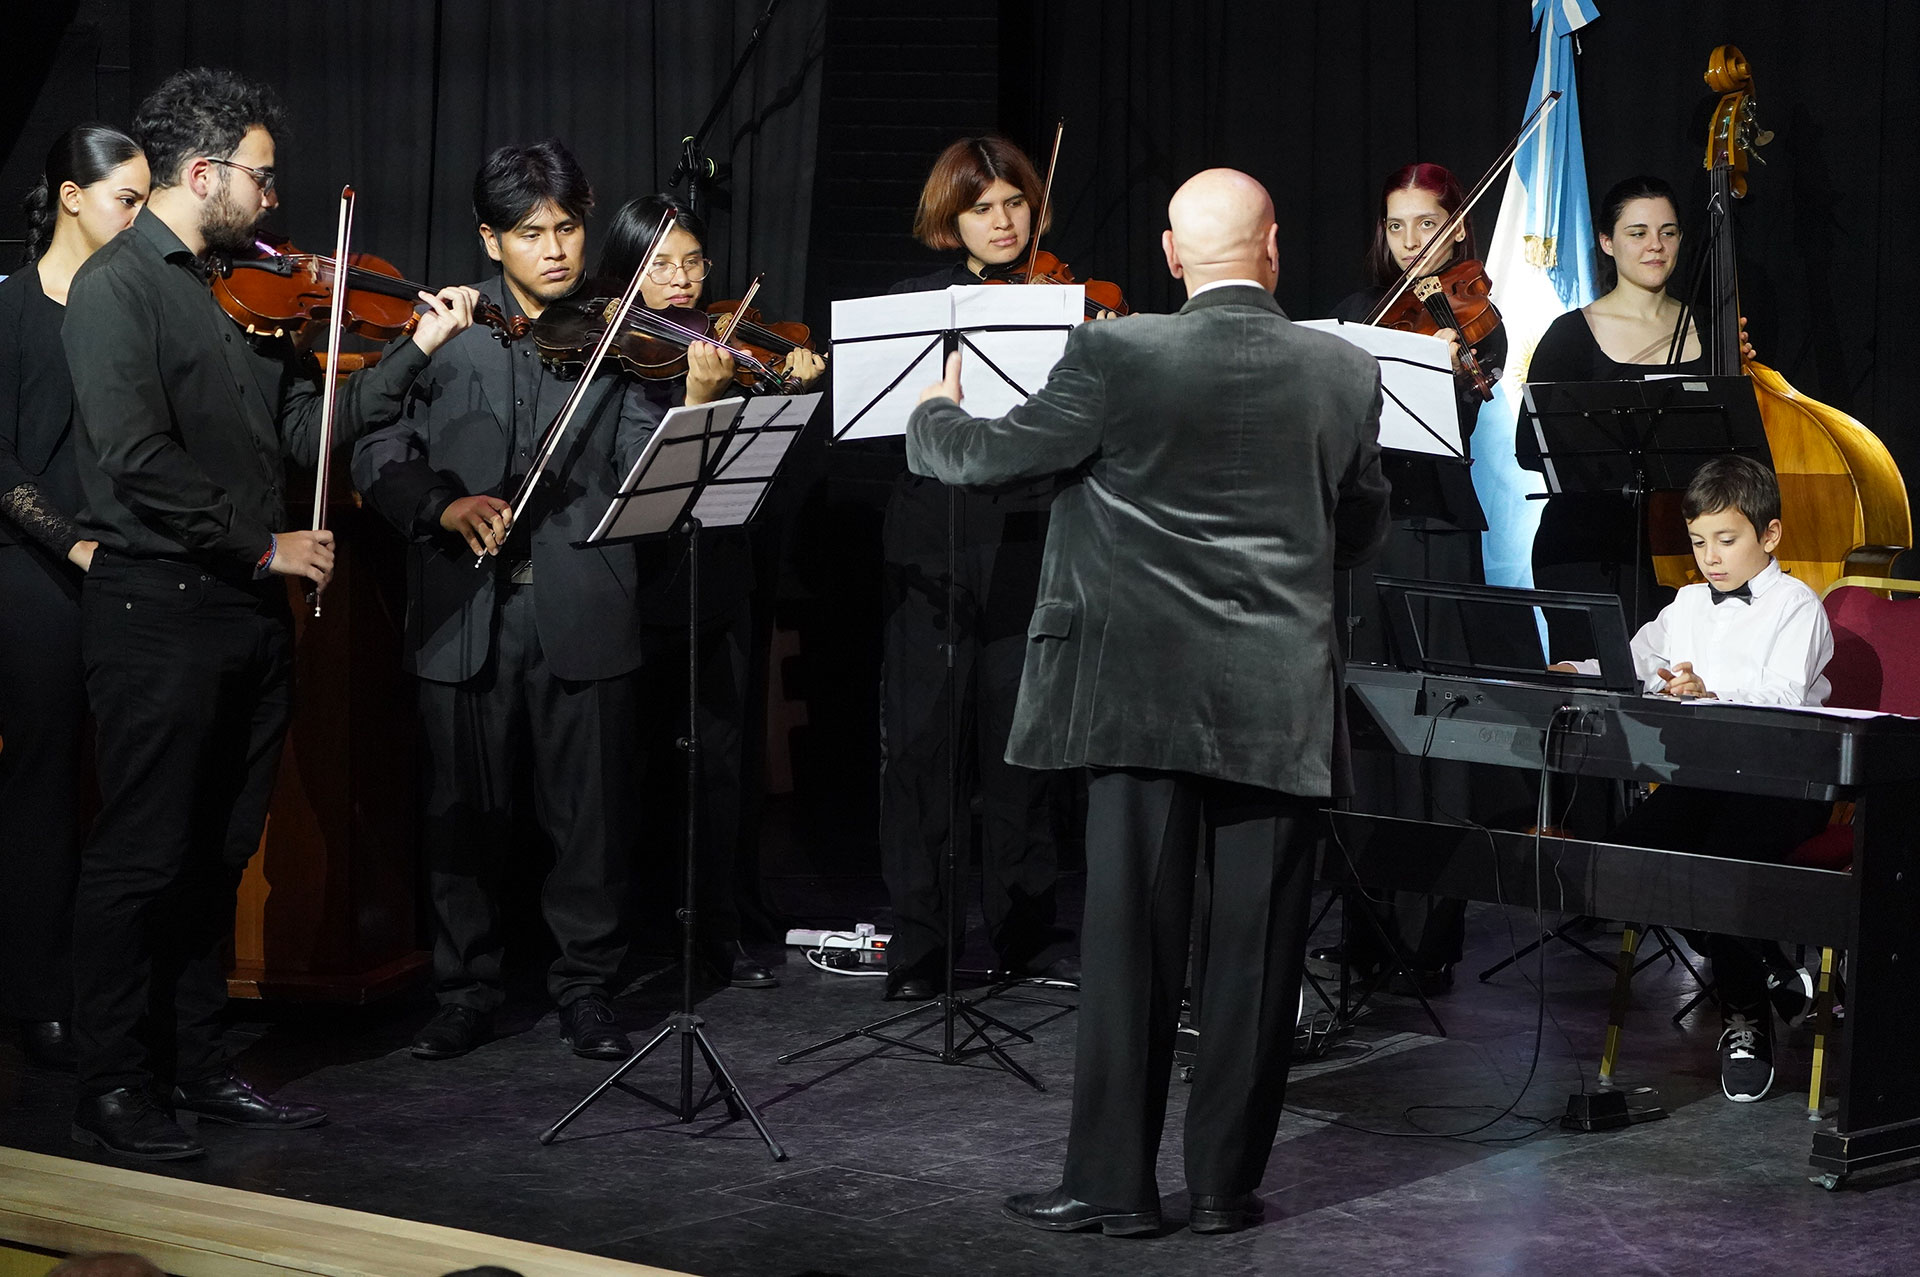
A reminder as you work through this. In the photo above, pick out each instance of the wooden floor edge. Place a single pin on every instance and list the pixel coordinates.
(191, 1244)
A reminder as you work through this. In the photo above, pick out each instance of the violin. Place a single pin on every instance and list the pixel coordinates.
(649, 344)
(1042, 267)
(1459, 297)
(750, 330)
(284, 292)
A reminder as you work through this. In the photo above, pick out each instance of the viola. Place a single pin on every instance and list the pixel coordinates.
(1459, 297)
(284, 292)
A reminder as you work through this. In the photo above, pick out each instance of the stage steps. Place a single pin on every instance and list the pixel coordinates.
(200, 1230)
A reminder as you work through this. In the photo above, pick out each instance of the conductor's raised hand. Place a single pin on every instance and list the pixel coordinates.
(304, 554)
(448, 312)
(482, 520)
(949, 386)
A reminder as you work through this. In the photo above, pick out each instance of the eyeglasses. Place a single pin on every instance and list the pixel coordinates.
(263, 177)
(696, 270)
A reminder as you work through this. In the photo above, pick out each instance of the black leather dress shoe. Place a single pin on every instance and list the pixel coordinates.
(231, 1102)
(1429, 981)
(1058, 1213)
(586, 1025)
(127, 1122)
(1062, 973)
(48, 1043)
(733, 965)
(913, 988)
(453, 1030)
(1216, 1214)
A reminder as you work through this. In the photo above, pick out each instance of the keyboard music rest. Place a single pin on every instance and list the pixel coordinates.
(1747, 749)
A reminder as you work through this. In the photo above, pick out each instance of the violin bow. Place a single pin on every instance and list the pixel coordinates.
(550, 441)
(330, 375)
(1431, 249)
(1046, 201)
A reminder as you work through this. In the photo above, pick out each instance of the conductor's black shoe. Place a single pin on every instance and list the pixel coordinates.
(586, 1025)
(1056, 1212)
(231, 1102)
(48, 1043)
(1216, 1214)
(127, 1122)
(913, 988)
(453, 1030)
(1062, 973)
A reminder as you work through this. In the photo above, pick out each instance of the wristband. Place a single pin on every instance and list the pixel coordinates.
(265, 563)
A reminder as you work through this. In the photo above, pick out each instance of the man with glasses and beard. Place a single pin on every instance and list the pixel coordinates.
(186, 425)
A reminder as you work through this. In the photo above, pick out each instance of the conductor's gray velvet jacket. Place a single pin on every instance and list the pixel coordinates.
(1223, 463)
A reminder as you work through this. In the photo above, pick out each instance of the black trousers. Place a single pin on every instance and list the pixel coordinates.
(998, 567)
(577, 739)
(190, 679)
(43, 705)
(1741, 827)
(721, 715)
(1145, 833)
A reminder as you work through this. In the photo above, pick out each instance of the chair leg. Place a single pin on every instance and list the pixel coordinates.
(1823, 1027)
(1617, 1008)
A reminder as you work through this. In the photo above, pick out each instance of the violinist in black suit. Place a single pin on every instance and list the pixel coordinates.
(1221, 465)
(533, 655)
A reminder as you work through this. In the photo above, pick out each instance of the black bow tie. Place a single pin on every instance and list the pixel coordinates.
(1739, 591)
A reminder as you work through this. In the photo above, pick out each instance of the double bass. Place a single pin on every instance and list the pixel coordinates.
(1843, 503)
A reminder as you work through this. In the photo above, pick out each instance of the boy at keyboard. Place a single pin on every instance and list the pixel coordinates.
(1752, 635)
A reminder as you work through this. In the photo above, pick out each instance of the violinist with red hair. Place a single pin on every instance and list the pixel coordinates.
(1415, 203)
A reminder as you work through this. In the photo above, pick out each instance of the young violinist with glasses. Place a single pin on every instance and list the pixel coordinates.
(531, 657)
(94, 183)
(186, 423)
(676, 278)
(979, 205)
(1414, 205)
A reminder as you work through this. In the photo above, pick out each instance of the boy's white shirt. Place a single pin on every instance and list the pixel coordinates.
(1770, 651)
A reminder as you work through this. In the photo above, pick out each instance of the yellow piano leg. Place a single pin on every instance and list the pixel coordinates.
(1823, 1025)
(1617, 1012)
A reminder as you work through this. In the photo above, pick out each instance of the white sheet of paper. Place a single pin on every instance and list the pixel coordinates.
(877, 339)
(863, 369)
(1003, 369)
(670, 458)
(1416, 378)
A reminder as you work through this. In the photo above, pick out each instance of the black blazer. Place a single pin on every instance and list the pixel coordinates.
(36, 399)
(454, 438)
(1223, 464)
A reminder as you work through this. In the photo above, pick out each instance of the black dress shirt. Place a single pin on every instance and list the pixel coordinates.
(186, 421)
(39, 486)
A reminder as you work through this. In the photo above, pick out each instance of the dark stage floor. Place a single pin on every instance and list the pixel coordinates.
(898, 1165)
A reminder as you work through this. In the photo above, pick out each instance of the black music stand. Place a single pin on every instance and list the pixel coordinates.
(884, 392)
(1634, 438)
(710, 465)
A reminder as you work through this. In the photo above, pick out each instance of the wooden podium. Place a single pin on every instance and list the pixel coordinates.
(327, 909)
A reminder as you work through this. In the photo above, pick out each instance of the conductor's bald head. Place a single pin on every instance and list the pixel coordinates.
(1221, 227)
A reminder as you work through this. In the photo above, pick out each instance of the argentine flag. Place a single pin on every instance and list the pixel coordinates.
(1541, 262)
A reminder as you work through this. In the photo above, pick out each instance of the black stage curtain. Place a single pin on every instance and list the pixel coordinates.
(403, 98)
(1321, 101)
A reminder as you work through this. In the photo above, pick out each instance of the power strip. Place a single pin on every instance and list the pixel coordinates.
(863, 937)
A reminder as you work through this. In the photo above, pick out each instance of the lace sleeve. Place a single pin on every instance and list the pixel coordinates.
(27, 508)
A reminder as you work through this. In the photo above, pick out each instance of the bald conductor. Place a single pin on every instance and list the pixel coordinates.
(1222, 464)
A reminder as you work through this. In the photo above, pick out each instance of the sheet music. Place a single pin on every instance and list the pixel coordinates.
(1417, 412)
(887, 349)
(753, 435)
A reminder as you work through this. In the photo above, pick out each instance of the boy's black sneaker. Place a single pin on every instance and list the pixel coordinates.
(1792, 996)
(1746, 1059)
